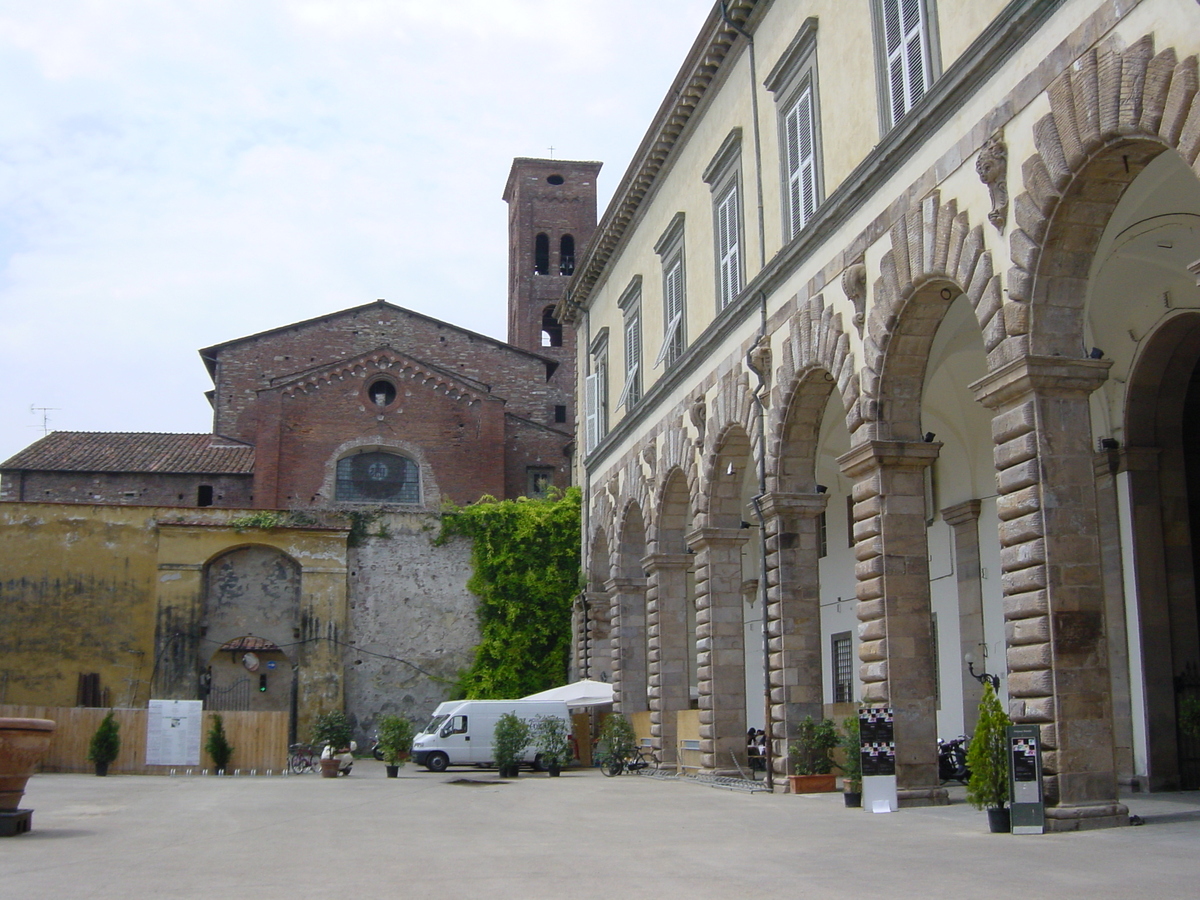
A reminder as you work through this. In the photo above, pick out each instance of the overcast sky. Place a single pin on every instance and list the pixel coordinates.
(177, 174)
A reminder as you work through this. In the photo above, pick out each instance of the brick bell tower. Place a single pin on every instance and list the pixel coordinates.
(551, 217)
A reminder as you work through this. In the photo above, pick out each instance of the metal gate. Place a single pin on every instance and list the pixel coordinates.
(1187, 719)
(234, 698)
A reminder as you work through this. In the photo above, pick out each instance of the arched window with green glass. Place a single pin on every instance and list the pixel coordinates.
(377, 476)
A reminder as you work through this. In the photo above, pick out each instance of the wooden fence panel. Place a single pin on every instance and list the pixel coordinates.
(259, 739)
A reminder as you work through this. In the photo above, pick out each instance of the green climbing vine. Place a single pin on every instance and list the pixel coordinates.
(525, 562)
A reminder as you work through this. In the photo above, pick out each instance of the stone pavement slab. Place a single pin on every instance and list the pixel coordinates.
(581, 835)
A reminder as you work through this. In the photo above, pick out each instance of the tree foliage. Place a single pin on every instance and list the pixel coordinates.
(987, 757)
(217, 745)
(525, 562)
(106, 742)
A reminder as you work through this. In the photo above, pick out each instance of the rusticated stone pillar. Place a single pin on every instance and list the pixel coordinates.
(964, 519)
(628, 643)
(896, 649)
(794, 614)
(595, 661)
(1051, 574)
(720, 645)
(667, 647)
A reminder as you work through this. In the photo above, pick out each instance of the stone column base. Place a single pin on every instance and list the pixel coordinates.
(1086, 817)
(907, 798)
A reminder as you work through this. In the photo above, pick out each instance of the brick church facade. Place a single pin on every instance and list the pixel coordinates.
(376, 404)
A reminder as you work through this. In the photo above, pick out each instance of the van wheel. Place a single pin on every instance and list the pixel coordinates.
(537, 764)
(437, 762)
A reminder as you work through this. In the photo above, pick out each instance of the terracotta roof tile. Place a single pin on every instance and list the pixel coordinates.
(88, 451)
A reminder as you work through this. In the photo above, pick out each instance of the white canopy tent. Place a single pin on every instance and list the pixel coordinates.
(581, 693)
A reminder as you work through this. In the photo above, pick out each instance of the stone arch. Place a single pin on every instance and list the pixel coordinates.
(725, 469)
(1111, 113)
(627, 594)
(1162, 433)
(816, 354)
(592, 625)
(935, 256)
(670, 613)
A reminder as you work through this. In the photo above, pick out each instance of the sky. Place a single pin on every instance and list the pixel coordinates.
(177, 174)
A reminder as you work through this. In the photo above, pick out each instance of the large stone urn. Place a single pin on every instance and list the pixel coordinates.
(22, 743)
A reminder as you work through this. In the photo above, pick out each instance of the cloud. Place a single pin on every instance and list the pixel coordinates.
(174, 175)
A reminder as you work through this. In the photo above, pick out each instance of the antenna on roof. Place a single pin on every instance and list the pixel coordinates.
(45, 418)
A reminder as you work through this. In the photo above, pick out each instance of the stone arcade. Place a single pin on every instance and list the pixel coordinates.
(976, 417)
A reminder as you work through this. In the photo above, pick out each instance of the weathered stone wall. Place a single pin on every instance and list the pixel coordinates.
(412, 620)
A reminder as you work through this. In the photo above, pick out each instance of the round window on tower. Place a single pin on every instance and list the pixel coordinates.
(381, 392)
(555, 179)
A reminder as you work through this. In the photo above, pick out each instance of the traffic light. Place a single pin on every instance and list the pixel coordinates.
(262, 681)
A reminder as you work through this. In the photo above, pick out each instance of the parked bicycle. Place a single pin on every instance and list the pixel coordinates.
(634, 762)
(303, 758)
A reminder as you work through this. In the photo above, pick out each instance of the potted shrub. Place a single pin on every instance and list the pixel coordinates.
(553, 746)
(332, 729)
(395, 742)
(105, 743)
(217, 745)
(852, 767)
(987, 758)
(617, 743)
(511, 738)
(811, 763)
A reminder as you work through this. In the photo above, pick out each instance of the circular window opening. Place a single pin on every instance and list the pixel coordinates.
(555, 179)
(382, 392)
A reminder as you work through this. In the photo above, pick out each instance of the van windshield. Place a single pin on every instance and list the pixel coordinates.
(434, 724)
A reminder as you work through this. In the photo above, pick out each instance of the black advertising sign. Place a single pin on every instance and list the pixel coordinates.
(877, 740)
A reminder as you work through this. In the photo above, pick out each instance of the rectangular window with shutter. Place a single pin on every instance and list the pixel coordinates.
(723, 175)
(630, 305)
(595, 398)
(793, 81)
(670, 249)
(907, 54)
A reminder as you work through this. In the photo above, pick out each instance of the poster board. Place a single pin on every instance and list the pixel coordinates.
(173, 732)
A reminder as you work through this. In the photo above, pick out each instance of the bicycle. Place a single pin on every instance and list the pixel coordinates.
(634, 762)
(303, 758)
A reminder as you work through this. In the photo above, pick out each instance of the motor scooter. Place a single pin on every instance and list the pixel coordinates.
(952, 760)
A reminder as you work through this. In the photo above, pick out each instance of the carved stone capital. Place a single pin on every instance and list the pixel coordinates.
(1047, 376)
(873, 455)
(963, 513)
(703, 538)
(854, 283)
(776, 504)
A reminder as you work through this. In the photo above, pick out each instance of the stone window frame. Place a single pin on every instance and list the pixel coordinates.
(630, 305)
(670, 250)
(886, 57)
(723, 175)
(388, 451)
(596, 391)
(793, 82)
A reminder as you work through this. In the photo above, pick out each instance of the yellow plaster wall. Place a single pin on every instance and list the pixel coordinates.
(119, 591)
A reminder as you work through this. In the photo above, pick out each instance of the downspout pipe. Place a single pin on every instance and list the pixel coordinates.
(756, 502)
(758, 176)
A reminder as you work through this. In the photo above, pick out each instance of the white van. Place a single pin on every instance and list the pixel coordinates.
(460, 732)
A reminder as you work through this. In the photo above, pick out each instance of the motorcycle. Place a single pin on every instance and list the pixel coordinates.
(952, 760)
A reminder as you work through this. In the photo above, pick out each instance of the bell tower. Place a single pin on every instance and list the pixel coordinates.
(551, 217)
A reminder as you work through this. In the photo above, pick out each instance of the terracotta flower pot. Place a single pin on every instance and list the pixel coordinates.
(329, 767)
(813, 784)
(23, 742)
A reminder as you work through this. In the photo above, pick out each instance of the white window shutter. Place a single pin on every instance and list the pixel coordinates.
(592, 400)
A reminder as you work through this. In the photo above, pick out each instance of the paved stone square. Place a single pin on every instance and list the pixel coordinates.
(581, 835)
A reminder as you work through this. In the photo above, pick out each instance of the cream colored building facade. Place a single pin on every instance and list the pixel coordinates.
(892, 327)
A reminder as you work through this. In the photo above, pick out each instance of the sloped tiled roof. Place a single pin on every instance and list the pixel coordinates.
(98, 451)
